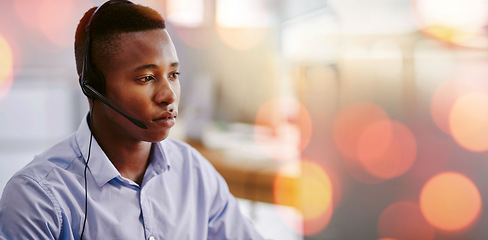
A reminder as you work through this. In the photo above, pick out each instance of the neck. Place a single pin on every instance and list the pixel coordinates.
(130, 157)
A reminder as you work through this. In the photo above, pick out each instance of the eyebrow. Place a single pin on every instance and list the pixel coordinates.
(145, 66)
(152, 66)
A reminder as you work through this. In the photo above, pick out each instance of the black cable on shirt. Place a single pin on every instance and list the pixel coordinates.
(86, 167)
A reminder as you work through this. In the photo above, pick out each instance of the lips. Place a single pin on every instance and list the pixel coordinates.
(166, 115)
(166, 120)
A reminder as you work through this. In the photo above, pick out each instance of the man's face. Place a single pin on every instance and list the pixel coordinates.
(142, 81)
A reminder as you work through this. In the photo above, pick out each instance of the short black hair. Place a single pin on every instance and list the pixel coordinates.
(107, 25)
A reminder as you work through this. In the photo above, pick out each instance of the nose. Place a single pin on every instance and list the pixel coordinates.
(166, 92)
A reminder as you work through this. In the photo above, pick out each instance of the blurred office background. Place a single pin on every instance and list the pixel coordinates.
(330, 119)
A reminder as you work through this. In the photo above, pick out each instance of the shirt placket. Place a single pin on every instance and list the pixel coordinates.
(147, 216)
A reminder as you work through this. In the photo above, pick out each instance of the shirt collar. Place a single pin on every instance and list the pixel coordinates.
(99, 165)
(159, 158)
(102, 168)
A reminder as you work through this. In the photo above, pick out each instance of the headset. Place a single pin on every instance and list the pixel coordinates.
(92, 82)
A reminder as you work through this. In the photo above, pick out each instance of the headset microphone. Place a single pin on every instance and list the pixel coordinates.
(106, 102)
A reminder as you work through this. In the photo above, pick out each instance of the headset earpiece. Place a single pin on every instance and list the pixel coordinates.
(90, 74)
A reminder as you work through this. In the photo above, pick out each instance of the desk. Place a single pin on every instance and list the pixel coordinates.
(248, 179)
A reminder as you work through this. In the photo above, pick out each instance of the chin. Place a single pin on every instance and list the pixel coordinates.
(157, 137)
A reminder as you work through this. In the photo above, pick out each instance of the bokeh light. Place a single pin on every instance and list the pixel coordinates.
(242, 24)
(195, 37)
(387, 149)
(454, 21)
(404, 220)
(187, 19)
(28, 11)
(375, 141)
(283, 128)
(350, 124)
(6, 60)
(305, 186)
(159, 6)
(469, 121)
(56, 21)
(6, 67)
(242, 14)
(52, 22)
(242, 38)
(444, 98)
(442, 102)
(450, 201)
(188, 13)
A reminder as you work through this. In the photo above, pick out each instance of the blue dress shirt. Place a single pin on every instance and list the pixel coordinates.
(181, 197)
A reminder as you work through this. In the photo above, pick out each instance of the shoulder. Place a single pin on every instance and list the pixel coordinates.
(31, 198)
(26, 205)
(37, 173)
(58, 157)
(35, 183)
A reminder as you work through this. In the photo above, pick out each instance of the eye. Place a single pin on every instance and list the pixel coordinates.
(174, 75)
(146, 79)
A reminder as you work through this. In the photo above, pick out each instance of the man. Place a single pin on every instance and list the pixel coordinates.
(138, 184)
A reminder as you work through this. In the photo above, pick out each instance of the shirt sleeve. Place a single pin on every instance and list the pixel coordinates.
(28, 211)
(226, 220)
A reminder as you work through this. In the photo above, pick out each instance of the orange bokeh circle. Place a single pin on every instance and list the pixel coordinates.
(351, 122)
(450, 201)
(468, 121)
(442, 101)
(387, 149)
(6, 60)
(447, 94)
(6, 67)
(306, 187)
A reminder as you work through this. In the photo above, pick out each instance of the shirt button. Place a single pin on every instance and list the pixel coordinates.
(152, 238)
